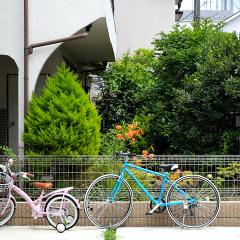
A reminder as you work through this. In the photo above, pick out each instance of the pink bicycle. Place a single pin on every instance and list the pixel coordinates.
(59, 207)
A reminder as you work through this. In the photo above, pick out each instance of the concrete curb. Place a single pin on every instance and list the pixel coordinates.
(49, 233)
(143, 233)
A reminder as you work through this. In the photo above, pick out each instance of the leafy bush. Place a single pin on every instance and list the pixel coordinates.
(197, 89)
(8, 152)
(231, 171)
(125, 88)
(62, 121)
(186, 92)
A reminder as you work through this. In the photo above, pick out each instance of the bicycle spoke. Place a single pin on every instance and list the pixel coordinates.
(101, 213)
(61, 209)
(8, 212)
(206, 209)
(203, 207)
(181, 209)
(117, 206)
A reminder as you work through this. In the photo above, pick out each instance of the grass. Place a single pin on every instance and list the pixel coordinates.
(110, 234)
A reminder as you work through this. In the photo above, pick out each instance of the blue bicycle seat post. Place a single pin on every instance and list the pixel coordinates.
(164, 181)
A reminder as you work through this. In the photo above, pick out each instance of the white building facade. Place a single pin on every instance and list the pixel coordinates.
(47, 20)
(232, 24)
(136, 23)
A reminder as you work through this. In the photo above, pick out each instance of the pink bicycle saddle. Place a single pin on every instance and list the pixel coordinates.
(43, 185)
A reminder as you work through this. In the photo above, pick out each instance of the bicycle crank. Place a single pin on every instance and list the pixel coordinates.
(159, 209)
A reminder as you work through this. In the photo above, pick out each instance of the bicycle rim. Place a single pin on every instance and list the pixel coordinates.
(9, 210)
(61, 209)
(104, 211)
(201, 210)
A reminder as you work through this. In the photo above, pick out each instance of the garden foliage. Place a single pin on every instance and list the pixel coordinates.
(198, 75)
(62, 120)
(125, 88)
(186, 92)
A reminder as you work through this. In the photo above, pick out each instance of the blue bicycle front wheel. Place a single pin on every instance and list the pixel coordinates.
(200, 198)
(108, 204)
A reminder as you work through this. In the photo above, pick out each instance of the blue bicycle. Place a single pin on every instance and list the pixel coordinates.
(192, 201)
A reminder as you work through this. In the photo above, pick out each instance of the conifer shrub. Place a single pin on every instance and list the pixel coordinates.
(62, 120)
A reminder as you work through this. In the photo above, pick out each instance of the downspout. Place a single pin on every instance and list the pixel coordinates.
(197, 9)
(59, 40)
(25, 56)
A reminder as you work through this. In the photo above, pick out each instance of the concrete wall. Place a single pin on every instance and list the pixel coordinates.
(228, 216)
(12, 44)
(138, 22)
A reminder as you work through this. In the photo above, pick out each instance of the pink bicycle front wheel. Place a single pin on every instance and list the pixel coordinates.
(61, 209)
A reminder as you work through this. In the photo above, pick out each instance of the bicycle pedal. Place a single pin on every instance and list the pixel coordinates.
(148, 213)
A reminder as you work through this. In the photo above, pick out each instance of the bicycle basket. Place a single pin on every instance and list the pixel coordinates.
(5, 184)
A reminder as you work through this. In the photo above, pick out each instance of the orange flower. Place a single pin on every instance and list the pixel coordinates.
(138, 162)
(135, 132)
(120, 137)
(130, 126)
(129, 134)
(118, 127)
(151, 155)
(133, 140)
(144, 152)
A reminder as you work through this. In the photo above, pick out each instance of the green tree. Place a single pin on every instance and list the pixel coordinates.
(62, 121)
(198, 86)
(125, 87)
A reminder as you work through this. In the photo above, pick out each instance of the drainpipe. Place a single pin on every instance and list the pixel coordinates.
(25, 56)
(59, 40)
(196, 15)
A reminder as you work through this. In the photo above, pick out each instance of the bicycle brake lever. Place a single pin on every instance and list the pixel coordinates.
(24, 175)
(30, 174)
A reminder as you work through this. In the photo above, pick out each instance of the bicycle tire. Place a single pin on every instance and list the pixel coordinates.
(54, 203)
(113, 214)
(203, 210)
(9, 212)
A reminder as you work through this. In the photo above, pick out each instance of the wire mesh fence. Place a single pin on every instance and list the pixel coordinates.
(79, 172)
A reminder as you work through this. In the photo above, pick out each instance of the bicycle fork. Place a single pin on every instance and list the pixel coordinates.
(116, 188)
(5, 207)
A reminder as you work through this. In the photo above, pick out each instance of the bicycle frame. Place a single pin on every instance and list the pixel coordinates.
(164, 176)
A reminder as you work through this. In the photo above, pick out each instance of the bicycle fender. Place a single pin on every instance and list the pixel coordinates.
(14, 200)
(70, 196)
